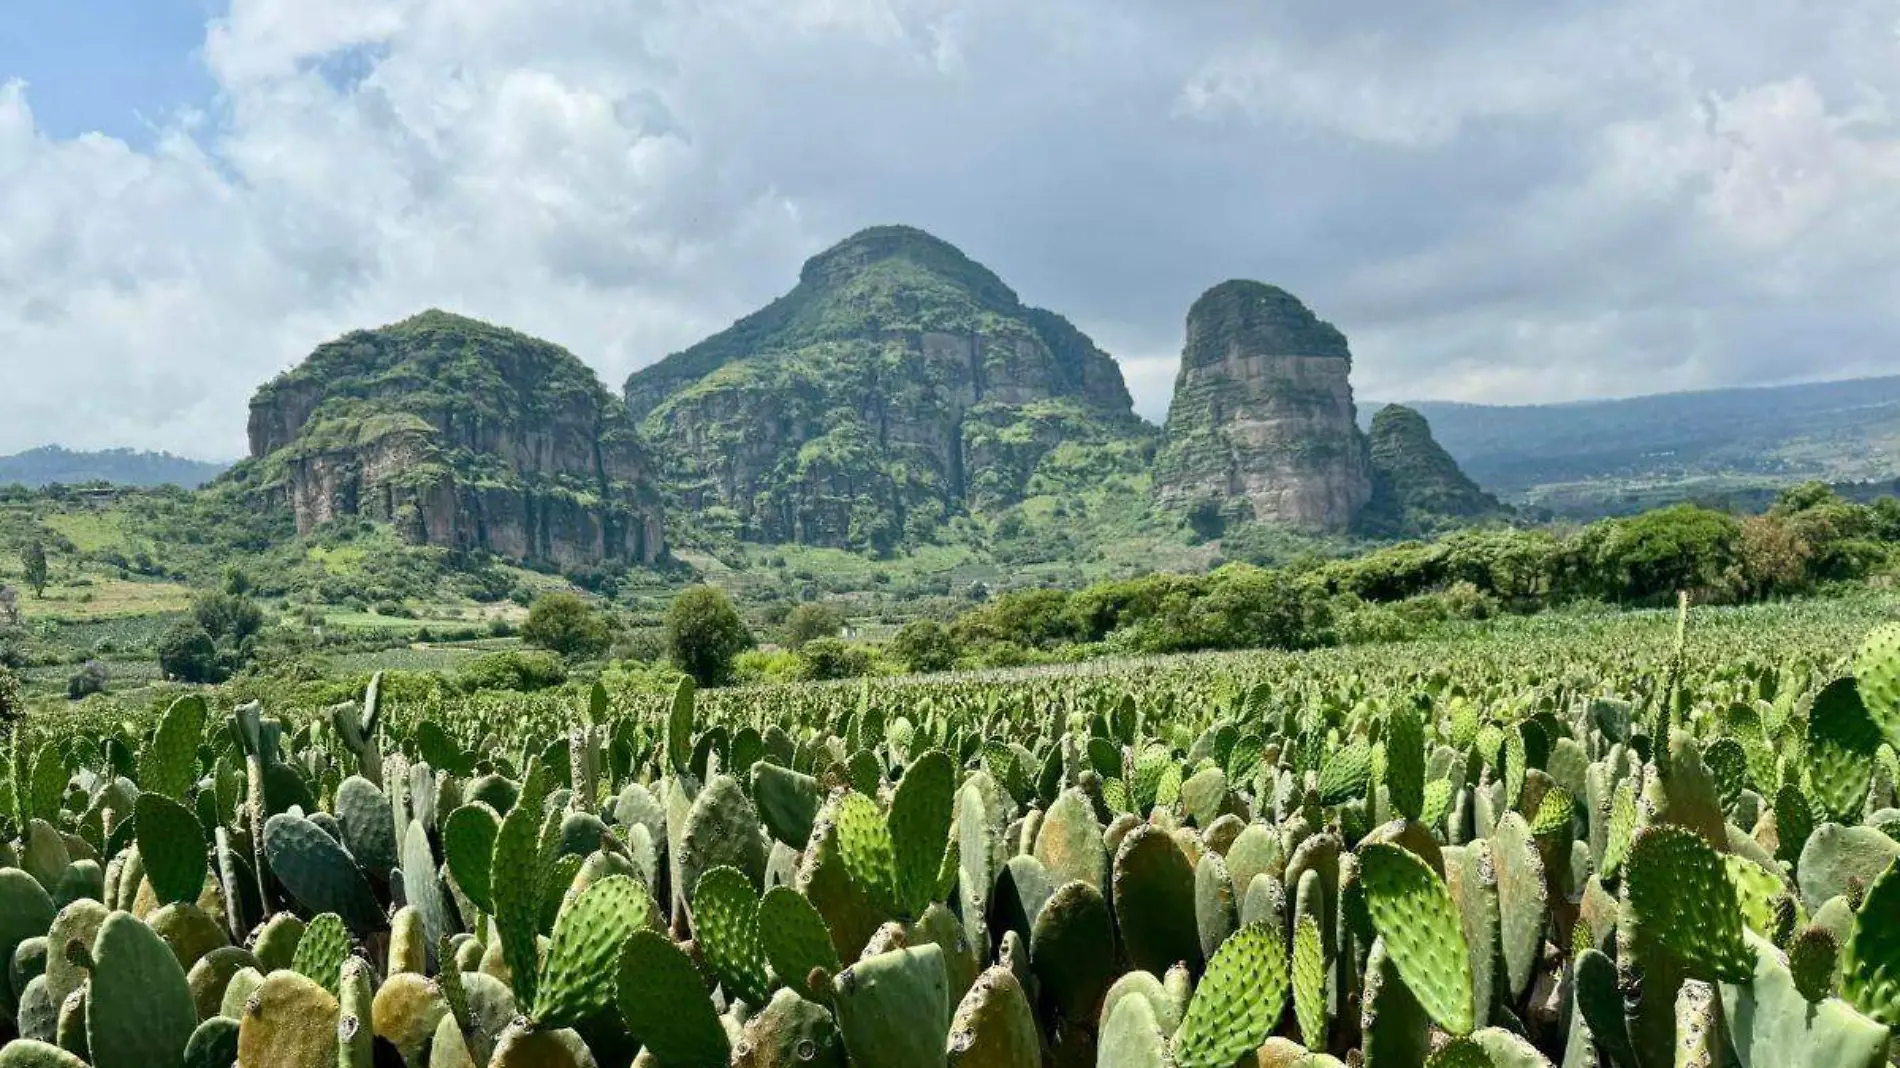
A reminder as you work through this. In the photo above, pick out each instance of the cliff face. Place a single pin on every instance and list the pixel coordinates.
(898, 383)
(462, 435)
(1416, 485)
(1262, 416)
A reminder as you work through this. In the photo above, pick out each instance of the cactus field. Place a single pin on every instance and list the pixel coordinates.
(1650, 854)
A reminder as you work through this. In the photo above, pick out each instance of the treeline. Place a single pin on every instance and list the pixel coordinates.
(1811, 538)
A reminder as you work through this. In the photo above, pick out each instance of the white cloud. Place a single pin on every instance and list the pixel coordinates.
(1528, 202)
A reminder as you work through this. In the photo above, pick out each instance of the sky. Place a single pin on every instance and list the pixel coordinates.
(1510, 203)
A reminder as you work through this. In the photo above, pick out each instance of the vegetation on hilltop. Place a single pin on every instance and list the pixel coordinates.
(54, 465)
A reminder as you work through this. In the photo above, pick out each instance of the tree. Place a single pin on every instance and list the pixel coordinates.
(565, 623)
(187, 653)
(703, 634)
(924, 645)
(810, 621)
(9, 607)
(33, 558)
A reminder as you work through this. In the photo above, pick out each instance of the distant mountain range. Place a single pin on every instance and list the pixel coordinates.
(1614, 456)
(51, 464)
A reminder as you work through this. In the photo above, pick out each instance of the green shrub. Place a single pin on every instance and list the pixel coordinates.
(523, 671)
(833, 658)
(90, 679)
(187, 653)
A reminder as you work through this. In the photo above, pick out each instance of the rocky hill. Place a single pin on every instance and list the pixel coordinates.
(1262, 418)
(898, 384)
(1416, 485)
(462, 435)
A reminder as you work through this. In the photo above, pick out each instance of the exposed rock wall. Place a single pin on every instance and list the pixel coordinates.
(464, 436)
(898, 383)
(1262, 416)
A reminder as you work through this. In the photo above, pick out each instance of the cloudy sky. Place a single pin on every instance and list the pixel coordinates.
(1504, 202)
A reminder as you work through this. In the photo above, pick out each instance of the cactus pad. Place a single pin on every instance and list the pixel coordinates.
(1415, 916)
(726, 927)
(1238, 1001)
(577, 978)
(1683, 898)
(1870, 962)
(665, 1006)
(1154, 901)
(893, 1009)
(140, 1011)
(321, 951)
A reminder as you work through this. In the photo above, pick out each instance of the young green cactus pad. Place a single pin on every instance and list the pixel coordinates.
(1309, 982)
(1419, 923)
(172, 846)
(1683, 898)
(168, 764)
(867, 849)
(1238, 1001)
(514, 883)
(1870, 964)
(921, 810)
(893, 1009)
(726, 927)
(577, 977)
(1154, 901)
(794, 936)
(468, 847)
(321, 951)
(1405, 762)
(1842, 738)
(665, 1006)
(1877, 672)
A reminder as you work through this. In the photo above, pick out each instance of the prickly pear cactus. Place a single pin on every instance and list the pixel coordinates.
(1419, 923)
(1870, 962)
(577, 976)
(1309, 982)
(1682, 895)
(1877, 672)
(726, 927)
(1237, 1002)
(140, 1011)
(1154, 901)
(893, 1009)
